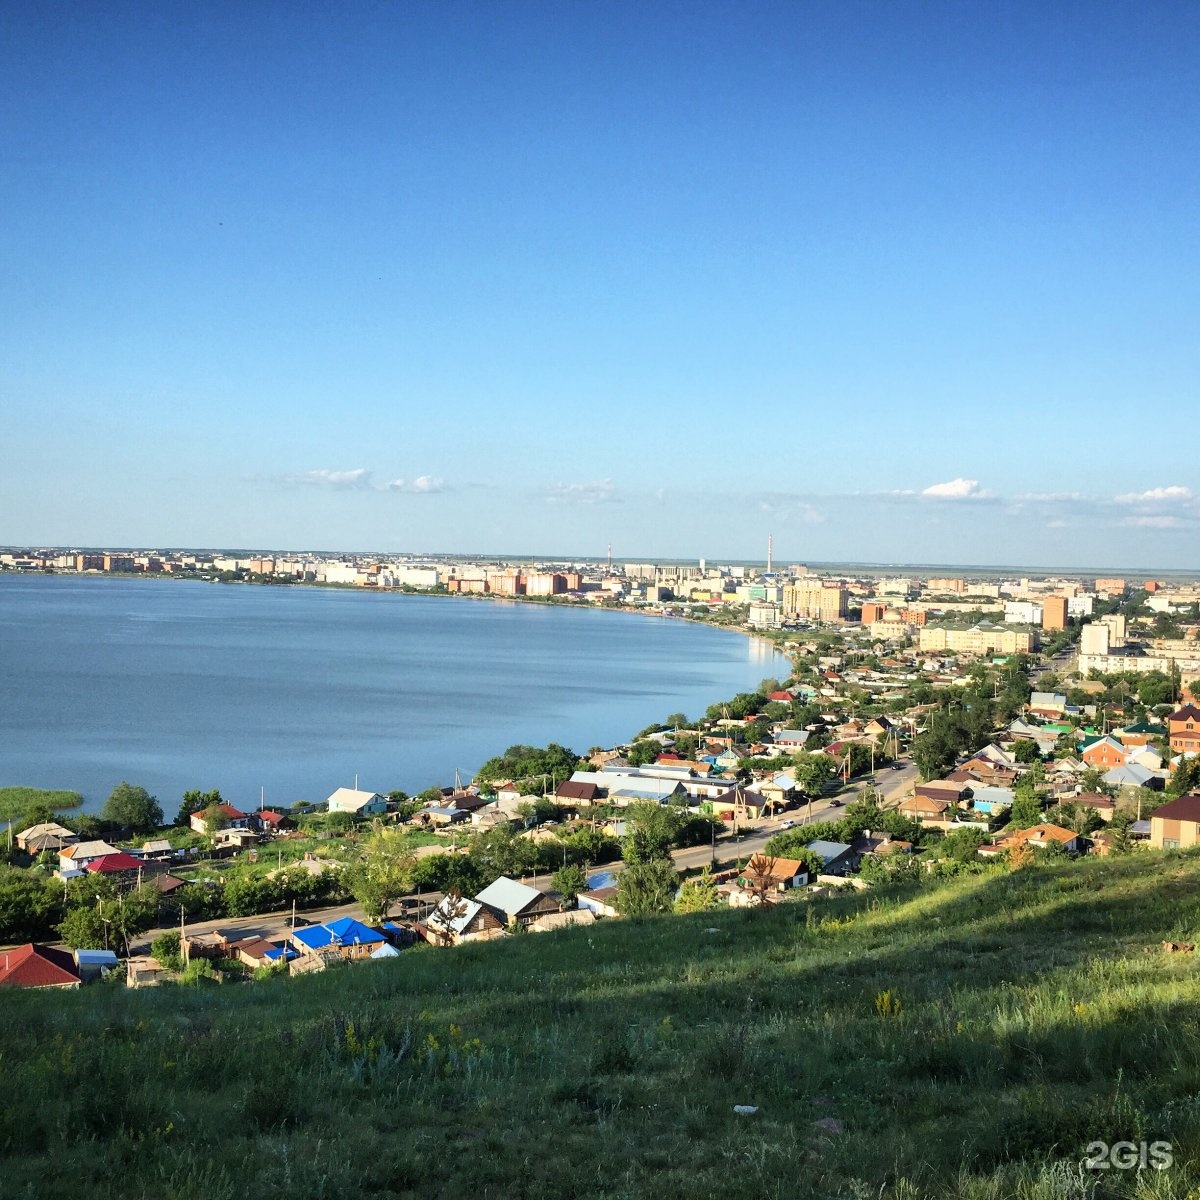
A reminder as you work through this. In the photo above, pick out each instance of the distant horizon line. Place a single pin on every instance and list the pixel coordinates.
(824, 564)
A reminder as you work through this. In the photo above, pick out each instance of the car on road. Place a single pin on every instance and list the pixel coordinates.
(835, 804)
(788, 825)
(897, 766)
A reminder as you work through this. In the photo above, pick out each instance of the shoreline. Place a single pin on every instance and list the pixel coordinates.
(775, 661)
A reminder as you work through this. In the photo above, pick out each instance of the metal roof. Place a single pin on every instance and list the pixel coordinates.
(508, 896)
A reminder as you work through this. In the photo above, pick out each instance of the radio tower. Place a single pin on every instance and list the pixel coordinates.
(610, 558)
(770, 547)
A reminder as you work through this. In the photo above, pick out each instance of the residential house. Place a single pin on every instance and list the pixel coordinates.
(457, 920)
(838, 858)
(37, 966)
(73, 859)
(1039, 836)
(1145, 756)
(1104, 806)
(269, 821)
(952, 791)
(47, 835)
(95, 964)
(582, 794)
(879, 844)
(166, 883)
(440, 814)
(157, 850)
(1183, 729)
(514, 903)
(1133, 776)
(1176, 825)
(143, 971)
(740, 804)
(778, 791)
(217, 943)
(985, 799)
(119, 865)
(776, 874)
(1141, 734)
(232, 818)
(1047, 704)
(927, 810)
(356, 802)
(602, 901)
(561, 920)
(791, 739)
(343, 939)
(1104, 753)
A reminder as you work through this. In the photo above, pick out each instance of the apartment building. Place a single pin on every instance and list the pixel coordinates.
(980, 639)
(817, 601)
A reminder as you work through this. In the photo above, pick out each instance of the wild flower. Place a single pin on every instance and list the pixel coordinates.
(887, 1004)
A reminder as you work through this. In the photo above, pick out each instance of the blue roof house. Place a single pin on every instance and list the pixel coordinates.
(343, 938)
(838, 857)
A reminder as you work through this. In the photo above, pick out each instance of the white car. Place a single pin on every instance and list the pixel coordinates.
(788, 825)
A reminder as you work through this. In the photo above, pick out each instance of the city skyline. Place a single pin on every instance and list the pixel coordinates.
(906, 284)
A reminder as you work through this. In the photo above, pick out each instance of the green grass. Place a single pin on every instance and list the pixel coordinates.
(1025, 1016)
(15, 802)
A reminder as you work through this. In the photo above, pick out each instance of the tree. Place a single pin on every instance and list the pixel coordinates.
(1185, 777)
(28, 906)
(132, 808)
(812, 772)
(167, 950)
(649, 832)
(383, 873)
(521, 762)
(1026, 751)
(502, 851)
(642, 753)
(1026, 809)
(962, 845)
(194, 802)
(759, 872)
(934, 752)
(647, 887)
(697, 894)
(1121, 827)
(215, 819)
(569, 881)
(83, 929)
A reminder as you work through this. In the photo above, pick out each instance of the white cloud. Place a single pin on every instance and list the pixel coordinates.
(360, 477)
(599, 491)
(423, 485)
(956, 489)
(1175, 493)
(1048, 497)
(1153, 522)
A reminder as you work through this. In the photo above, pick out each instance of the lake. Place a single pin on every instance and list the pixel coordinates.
(176, 684)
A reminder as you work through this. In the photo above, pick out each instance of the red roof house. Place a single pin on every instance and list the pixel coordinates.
(114, 864)
(35, 966)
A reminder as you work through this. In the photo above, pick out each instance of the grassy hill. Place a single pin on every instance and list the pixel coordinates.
(968, 1041)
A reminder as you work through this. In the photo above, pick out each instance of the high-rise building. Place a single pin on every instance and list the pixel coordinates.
(817, 601)
(1054, 612)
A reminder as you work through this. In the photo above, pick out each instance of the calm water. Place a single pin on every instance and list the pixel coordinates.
(176, 685)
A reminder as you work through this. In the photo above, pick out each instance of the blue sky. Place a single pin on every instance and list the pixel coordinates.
(899, 282)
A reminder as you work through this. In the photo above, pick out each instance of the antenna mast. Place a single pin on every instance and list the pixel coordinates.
(770, 549)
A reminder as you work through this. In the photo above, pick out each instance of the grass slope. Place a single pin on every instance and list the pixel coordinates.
(1026, 1015)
